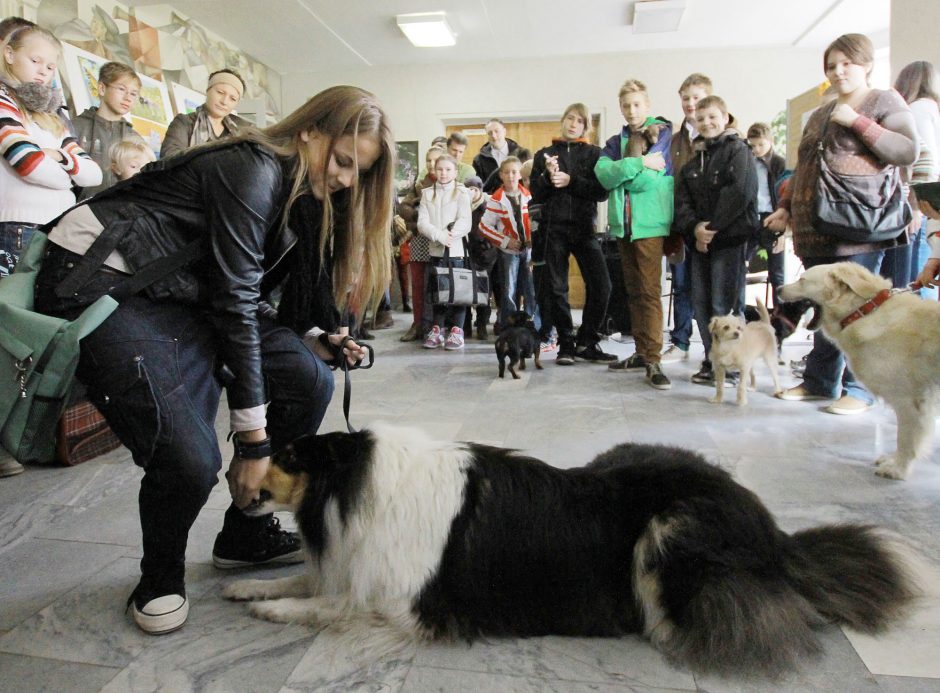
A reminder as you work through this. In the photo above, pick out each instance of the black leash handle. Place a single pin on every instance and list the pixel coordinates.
(342, 363)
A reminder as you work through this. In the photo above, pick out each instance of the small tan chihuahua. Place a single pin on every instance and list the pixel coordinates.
(737, 345)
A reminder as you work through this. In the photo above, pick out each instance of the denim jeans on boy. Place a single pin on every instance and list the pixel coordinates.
(593, 266)
(896, 265)
(826, 368)
(516, 280)
(682, 313)
(14, 237)
(152, 368)
(920, 251)
(717, 277)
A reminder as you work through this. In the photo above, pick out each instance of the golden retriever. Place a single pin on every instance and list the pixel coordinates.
(739, 345)
(893, 349)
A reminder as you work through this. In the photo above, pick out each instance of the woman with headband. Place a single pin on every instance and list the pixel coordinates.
(211, 121)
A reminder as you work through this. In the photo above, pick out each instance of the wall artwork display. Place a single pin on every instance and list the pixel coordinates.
(185, 100)
(406, 166)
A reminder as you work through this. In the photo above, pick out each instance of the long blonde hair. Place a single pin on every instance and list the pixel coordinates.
(362, 252)
(46, 120)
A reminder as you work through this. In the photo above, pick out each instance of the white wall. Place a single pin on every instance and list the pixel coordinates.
(914, 26)
(419, 101)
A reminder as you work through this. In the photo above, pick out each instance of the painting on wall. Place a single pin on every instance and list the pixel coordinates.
(152, 132)
(406, 166)
(185, 100)
(154, 101)
(81, 76)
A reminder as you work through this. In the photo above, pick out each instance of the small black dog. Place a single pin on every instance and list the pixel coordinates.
(517, 340)
(785, 318)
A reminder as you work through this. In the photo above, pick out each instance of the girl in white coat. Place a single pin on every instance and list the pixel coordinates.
(444, 219)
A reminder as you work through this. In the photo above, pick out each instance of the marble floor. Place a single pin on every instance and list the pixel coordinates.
(69, 541)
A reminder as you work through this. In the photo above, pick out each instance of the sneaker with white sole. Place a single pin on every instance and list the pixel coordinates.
(636, 362)
(847, 405)
(675, 353)
(9, 466)
(454, 339)
(434, 338)
(158, 611)
(656, 378)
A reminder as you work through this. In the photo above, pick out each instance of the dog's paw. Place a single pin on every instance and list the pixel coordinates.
(246, 590)
(276, 610)
(890, 467)
(715, 399)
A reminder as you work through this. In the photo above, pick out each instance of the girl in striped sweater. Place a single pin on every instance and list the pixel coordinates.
(41, 160)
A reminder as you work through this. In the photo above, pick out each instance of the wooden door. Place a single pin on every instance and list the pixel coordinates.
(532, 135)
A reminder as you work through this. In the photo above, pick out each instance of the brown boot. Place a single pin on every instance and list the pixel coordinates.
(383, 320)
(411, 335)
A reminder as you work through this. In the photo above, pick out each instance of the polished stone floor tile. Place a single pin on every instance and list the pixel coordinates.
(69, 540)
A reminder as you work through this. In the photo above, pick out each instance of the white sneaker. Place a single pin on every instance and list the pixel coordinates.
(162, 615)
(674, 353)
(454, 339)
(434, 338)
(9, 466)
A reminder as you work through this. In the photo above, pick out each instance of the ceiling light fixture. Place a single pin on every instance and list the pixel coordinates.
(427, 29)
(657, 16)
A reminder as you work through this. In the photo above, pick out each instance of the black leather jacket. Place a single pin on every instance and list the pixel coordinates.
(570, 211)
(232, 195)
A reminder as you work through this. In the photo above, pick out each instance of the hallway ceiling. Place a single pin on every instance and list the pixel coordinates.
(297, 36)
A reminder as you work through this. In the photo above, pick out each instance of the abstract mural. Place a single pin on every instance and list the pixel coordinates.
(159, 42)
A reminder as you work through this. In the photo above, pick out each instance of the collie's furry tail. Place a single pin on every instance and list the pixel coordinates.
(854, 575)
(762, 310)
(759, 618)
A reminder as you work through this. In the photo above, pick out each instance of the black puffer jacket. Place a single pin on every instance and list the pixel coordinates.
(233, 196)
(572, 210)
(718, 185)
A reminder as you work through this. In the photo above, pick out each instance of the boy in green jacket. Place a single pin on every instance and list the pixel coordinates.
(635, 167)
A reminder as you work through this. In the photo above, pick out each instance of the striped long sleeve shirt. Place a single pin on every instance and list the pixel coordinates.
(35, 187)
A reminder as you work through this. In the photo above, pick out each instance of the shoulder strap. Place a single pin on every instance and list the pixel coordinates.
(158, 269)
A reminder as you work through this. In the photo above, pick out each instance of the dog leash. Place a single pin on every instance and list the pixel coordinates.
(344, 365)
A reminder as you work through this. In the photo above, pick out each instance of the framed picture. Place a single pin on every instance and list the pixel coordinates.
(81, 74)
(406, 166)
(185, 100)
(154, 102)
(152, 132)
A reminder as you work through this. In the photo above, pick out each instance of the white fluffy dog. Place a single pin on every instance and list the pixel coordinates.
(890, 341)
(736, 345)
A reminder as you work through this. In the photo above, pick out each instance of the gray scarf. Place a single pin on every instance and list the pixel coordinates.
(202, 128)
(36, 98)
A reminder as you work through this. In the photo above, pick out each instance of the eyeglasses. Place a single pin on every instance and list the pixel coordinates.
(123, 91)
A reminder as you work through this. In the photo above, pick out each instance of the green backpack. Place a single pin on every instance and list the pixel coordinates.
(38, 357)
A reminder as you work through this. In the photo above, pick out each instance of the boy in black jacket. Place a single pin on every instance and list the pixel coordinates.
(771, 168)
(564, 187)
(716, 211)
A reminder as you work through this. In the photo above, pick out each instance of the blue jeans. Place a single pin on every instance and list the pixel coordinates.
(681, 333)
(516, 280)
(152, 368)
(825, 366)
(717, 278)
(920, 251)
(896, 265)
(14, 237)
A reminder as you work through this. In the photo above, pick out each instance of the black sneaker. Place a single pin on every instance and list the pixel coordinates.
(565, 356)
(267, 543)
(634, 363)
(158, 609)
(656, 378)
(705, 375)
(594, 354)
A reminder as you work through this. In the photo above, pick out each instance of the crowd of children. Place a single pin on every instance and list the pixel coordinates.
(696, 192)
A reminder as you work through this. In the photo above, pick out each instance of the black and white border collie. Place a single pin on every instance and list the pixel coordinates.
(430, 539)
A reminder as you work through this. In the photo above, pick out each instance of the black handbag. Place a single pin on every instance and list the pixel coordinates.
(457, 286)
(859, 208)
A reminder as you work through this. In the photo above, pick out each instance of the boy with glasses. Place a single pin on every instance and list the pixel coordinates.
(99, 128)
